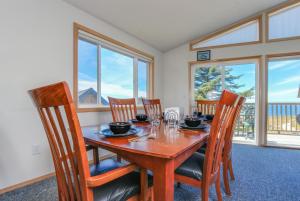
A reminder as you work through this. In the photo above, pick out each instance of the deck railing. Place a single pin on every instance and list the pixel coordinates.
(281, 120)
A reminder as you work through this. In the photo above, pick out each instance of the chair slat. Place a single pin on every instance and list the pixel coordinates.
(122, 109)
(207, 106)
(152, 106)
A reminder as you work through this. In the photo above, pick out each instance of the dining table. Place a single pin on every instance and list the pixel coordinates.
(160, 149)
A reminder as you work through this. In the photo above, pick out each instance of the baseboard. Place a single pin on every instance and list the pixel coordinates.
(41, 178)
(26, 183)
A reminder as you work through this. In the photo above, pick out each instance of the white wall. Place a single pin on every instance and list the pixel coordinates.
(36, 48)
(175, 66)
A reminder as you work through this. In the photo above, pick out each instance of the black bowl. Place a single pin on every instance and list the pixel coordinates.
(119, 127)
(192, 122)
(198, 114)
(141, 117)
(209, 117)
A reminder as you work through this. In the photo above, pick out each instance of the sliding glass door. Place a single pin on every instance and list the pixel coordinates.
(283, 102)
(208, 81)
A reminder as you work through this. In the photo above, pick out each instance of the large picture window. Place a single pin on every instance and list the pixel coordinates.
(105, 69)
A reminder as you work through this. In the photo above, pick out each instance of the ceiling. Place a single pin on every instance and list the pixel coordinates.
(166, 24)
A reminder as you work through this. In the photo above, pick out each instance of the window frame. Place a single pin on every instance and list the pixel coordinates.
(114, 45)
(274, 10)
(226, 29)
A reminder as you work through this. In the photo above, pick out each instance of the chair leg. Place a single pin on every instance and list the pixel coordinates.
(144, 185)
(225, 178)
(231, 169)
(96, 155)
(205, 192)
(218, 187)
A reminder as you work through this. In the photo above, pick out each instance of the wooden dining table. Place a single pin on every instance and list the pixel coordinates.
(161, 149)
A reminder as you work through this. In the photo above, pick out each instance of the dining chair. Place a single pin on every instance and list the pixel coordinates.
(152, 106)
(75, 179)
(203, 170)
(227, 152)
(207, 106)
(122, 110)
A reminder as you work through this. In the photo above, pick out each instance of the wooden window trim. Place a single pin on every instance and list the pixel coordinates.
(226, 29)
(78, 27)
(274, 10)
(279, 55)
(191, 63)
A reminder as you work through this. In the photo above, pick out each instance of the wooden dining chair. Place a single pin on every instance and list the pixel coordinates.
(77, 181)
(227, 152)
(203, 170)
(122, 110)
(207, 106)
(152, 106)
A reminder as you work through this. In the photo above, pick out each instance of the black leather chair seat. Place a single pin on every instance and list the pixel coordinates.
(119, 189)
(192, 167)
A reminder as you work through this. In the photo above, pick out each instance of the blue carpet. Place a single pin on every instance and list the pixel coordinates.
(262, 174)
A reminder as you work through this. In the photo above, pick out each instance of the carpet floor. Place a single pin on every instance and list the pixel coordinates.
(262, 174)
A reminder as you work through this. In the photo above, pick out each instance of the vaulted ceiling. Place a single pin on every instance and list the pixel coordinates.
(166, 24)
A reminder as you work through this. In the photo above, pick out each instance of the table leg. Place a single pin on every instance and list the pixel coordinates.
(164, 181)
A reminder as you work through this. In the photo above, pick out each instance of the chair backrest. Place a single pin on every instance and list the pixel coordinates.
(57, 112)
(122, 110)
(152, 106)
(232, 125)
(207, 106)
(223, 116)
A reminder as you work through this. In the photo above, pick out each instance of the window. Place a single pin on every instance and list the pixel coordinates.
(242, 33)
(283, 23)
(106, 69)
(210, 79)
(143, 71)
(283, 102)
(116, 75)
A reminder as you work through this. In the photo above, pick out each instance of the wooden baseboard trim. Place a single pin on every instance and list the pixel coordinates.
(26, 183)
(43, 177)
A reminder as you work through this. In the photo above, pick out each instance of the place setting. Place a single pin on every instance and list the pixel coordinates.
(195, 122)
(130, 128)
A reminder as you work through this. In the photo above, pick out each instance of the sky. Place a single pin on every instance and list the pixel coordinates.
(283, 79)
(116, 72)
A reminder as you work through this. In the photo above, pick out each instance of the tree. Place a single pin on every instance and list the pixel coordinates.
(208, 83)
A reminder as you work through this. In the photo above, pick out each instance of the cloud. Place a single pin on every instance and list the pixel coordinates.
(282, 64)
(278, 94)
(116, 90)
(116, 58)
(289, 80)
(86, 84)
(108, 89)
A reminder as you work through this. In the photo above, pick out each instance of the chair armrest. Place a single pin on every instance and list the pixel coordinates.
(110, 176)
